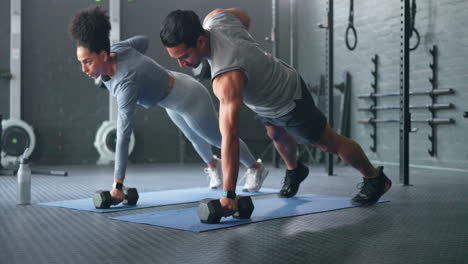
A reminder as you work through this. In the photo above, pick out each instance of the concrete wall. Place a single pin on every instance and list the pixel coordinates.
(4, 55)
(378, 27)
(66, 109)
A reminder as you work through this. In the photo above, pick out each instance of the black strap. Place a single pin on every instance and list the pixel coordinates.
(413, 28)
(118, 185)
(229, 194)
(351, 27)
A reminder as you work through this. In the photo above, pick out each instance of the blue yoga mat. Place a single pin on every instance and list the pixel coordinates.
(151, 199)
(265, 209)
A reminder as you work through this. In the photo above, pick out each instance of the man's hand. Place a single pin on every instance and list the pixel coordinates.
(117, 196)
(229, 206)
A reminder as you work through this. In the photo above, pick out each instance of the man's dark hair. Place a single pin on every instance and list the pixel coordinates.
(181, 26)
(90, 29)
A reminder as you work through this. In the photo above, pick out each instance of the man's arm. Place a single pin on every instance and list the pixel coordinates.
(228, 88)
(243, 17)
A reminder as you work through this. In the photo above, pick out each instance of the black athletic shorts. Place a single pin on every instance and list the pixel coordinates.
(305, 122)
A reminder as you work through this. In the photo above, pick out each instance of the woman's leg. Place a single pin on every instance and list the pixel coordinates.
(202, 147)
(201, 116)
(199, 144)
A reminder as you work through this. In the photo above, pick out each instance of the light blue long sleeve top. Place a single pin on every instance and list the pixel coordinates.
(138, 80)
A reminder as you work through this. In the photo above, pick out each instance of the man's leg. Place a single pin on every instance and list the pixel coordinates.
(284, 144)
(348, 150)
(375, 182)
(307, 124)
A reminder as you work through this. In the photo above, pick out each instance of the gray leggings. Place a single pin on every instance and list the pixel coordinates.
(190, 107)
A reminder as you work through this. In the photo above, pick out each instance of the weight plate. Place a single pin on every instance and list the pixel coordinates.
(15, 140)
(111, 140)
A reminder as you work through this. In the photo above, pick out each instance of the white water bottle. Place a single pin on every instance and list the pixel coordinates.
(24, 182)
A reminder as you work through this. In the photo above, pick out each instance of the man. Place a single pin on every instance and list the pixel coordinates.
(243, 72)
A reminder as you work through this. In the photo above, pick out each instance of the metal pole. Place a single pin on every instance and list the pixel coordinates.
(15, 59)
(292, 31)
(274, 31)
(274, 52)
(414, 92)
(405, 116)
(330, 79)
(114, 15)
(1, 141)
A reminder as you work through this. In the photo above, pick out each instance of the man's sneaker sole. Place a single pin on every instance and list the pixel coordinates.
(291, 195)
(298, 185)
(388, 185)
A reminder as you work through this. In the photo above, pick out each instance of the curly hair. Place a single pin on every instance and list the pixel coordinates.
(181, 26)
(90, 28)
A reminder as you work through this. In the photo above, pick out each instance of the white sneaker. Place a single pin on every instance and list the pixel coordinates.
(215, 174)
(254, 178)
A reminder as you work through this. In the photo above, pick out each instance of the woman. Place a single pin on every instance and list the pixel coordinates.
(134, 78)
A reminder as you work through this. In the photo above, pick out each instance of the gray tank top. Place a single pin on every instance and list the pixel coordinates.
(272, 85)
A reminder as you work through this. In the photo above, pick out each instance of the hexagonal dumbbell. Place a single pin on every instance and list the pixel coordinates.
(210, 211)
(103, 199)
(246, 207)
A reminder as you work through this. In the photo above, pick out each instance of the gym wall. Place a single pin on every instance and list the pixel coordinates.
(378, 28)
(66, 109)
(64, 106)
(4, 54)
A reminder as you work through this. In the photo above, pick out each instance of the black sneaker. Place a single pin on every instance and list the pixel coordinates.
(292, 180)
(372, 189)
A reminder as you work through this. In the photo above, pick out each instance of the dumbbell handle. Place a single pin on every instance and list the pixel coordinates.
(100, 204)
(210, 211)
